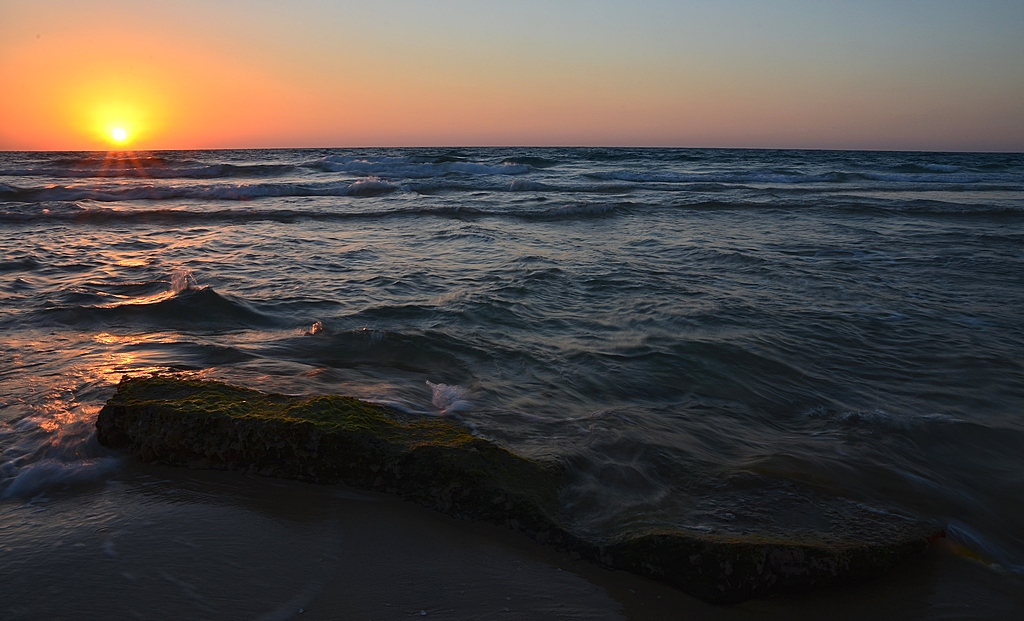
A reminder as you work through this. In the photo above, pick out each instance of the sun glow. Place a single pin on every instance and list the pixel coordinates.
(118, 125)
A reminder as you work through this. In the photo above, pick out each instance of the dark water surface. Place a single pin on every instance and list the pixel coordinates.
(700, 334)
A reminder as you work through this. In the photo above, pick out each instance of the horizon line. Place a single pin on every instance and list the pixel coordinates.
(515, 146)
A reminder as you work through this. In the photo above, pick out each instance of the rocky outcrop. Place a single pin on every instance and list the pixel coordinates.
(436, 462)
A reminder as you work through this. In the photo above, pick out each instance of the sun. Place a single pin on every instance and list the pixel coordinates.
(116, 125)
(118, 135)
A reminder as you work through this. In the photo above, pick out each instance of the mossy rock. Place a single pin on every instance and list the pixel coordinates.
(330, 439)
(437, 462)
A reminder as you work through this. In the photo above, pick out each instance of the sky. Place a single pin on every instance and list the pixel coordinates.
(941, 75)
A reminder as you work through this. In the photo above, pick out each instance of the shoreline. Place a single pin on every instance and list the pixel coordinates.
(439, 464)
(161, 542)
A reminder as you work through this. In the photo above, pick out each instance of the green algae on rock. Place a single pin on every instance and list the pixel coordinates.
(330, 439)
(437, 462)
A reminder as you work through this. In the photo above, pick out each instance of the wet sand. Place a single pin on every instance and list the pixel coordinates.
(170, 543)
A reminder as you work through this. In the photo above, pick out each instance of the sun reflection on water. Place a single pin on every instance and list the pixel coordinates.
(131, 263)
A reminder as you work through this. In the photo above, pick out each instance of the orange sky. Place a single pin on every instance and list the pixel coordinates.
(254, 74)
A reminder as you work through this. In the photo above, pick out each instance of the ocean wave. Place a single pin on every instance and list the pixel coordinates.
(926, 168)
(406, 167)
(189, 308)
(41, 452)
(324, 345)
(99, 216)
(576, 212)
(448, 156)
(952, 178)
(652, 154)
(981, 548)
(854, 204)
(880, 420)
(930, 208)
(178, 170)
(101, 158)
(226, 192)
(526, 185)
(371, 186)
(519, 184)
(26, 264)
(531, 161)
(923, 176)
(738, 177)
(609, 155)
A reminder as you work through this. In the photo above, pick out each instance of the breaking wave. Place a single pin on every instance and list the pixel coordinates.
(531, 161)
(449, 399)
(44, 451)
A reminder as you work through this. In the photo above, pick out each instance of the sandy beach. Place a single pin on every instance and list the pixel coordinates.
(222, 545)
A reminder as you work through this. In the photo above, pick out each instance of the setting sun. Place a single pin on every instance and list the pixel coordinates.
(118, 134)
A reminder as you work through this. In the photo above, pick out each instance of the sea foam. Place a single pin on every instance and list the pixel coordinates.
(44, 451)
(448, 398)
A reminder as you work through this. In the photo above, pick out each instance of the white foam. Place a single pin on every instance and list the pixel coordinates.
(183, 280)
(371, 186)
(55, 450)
(41, 475)
(939, 167)
(448, 399)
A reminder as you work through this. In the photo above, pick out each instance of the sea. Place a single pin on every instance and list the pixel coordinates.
(698, 334)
